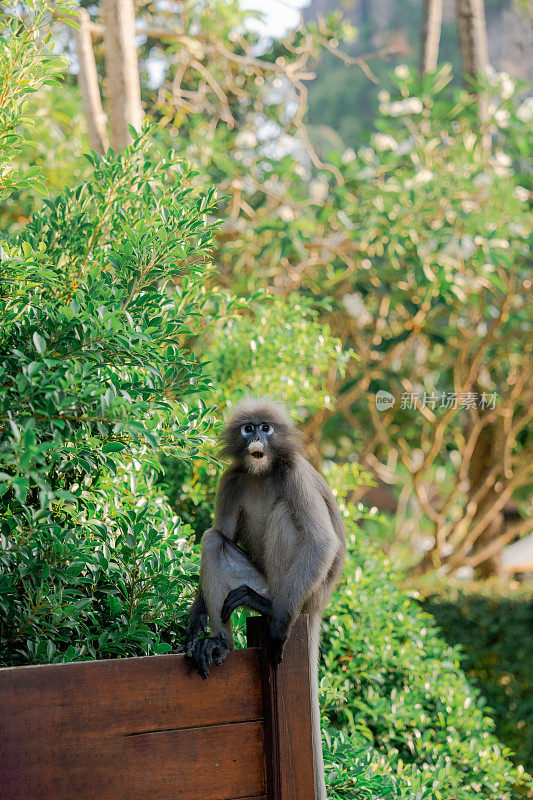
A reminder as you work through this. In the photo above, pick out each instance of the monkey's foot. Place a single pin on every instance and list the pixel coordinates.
(209, 651)
(244, 596)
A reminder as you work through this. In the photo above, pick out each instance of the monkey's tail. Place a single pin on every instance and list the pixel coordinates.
(314, 649)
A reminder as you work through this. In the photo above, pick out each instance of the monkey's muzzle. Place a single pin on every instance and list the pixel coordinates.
(256, 451)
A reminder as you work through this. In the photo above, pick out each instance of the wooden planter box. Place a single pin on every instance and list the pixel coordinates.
(151, 729)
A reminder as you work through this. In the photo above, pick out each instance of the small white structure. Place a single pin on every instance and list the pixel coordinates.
(518, 557)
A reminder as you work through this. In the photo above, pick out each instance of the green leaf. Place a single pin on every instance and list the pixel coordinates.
(114, 605)
(29, 439)
(113, 447)
(21, 486)
(163, 647)
(39, 342)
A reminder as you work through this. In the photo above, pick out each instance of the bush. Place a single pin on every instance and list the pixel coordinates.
(95, 372)
(98, 293)
(391, 681)
(493, 627)
(276, 347)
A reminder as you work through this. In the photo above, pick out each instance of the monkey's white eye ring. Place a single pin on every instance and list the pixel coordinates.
(266, 427)
(247, 429)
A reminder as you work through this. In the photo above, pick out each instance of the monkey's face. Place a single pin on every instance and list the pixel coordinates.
(260, 437)
(256, 436)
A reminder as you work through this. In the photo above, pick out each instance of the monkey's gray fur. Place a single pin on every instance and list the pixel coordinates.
(275, 505)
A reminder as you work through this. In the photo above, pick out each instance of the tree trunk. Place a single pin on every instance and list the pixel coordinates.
(88, 82)
(473, 36)
(431, 27)
(123, 88)
(484, 455)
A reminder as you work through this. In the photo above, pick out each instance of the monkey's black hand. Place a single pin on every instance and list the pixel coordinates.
(207, 652)
(244, 596)
(277, 636)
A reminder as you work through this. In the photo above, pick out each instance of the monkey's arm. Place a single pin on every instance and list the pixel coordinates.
(197, 622)
(224, 567)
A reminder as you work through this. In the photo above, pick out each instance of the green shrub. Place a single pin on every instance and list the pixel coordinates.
(354, 769)
(494, 628)
(99, 293)
(278, 348)
(389, 679)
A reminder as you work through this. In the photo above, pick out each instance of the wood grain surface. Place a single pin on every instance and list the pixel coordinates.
(151, 729)
(132, 729)
(288, 724)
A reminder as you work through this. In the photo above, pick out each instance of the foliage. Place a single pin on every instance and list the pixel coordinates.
(95, 377)
(391, 681)
(99, 295)
(277, 348)
(492, 624)
(56, 128)
(438, 229)
(27, 63)
(354, 770)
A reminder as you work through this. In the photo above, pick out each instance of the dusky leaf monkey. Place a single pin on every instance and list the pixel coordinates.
(277, 545)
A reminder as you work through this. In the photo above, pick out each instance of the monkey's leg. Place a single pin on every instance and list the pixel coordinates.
(224, 567)
(245, 596)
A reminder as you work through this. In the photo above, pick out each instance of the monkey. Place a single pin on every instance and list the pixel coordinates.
(277, 546)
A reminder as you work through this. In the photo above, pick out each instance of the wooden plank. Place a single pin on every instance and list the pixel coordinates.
(130, 729)
(211, 763)
(288, 720)
(128, 695)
